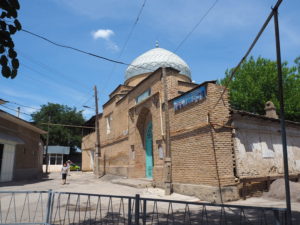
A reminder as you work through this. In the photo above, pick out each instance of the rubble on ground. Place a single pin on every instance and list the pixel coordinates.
(277, 190)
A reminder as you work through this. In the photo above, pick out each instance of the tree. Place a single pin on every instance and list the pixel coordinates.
(255, 83)
(297, 62)
(60, 114)
(9, 24)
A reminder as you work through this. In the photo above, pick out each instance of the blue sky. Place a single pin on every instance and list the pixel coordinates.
(51, 74)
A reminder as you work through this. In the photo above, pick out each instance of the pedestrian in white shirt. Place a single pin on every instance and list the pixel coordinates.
(64, 173)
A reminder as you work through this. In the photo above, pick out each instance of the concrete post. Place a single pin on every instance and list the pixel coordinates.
(168, 163)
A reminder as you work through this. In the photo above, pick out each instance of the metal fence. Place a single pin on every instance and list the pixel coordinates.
(50, 207)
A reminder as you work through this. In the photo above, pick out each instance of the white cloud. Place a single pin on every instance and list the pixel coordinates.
(106, 34)
(102, 33)
(113, 46)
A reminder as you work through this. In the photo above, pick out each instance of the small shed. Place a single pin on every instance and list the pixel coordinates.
(56, 155)
(21, 148)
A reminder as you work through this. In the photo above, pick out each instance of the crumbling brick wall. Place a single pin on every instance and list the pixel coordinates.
(201, 141)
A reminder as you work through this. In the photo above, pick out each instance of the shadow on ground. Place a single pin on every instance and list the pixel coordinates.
(209, 217)
(43, 178)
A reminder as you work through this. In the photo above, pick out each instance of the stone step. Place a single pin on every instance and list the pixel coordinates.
(136, 183)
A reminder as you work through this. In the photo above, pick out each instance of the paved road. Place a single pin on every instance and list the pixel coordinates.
(87, 183)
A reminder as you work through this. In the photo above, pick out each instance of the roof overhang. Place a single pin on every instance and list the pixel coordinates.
(20, 122)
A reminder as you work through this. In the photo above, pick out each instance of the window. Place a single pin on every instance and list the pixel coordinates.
(160, 151)
(132, 152)
(56, 159)
(52, 159)
(143, 96)
(108, 123)
(59, 160)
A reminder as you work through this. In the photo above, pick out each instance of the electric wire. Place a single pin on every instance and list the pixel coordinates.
(87, 100)
(48, 77)
(50, 124)
(193, 29)
(75, 49)
(68, 125)
(81, 51)
(23, 105)
(117, 61)
(51, 70)
(16, 110)
(247, 53)
(132, 28)
(127, 39)
(196, 25)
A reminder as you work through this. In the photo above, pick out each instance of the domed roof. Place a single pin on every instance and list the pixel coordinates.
(155, 58)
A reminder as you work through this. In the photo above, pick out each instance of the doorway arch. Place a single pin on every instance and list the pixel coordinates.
(145, 128)
(149, 150)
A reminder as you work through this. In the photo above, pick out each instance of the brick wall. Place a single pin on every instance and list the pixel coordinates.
(123, 148)
(28, 162)
(88, 144)
(194, 157)
(202, 153)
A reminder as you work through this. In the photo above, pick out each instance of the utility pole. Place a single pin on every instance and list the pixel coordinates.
(168, 163)
(47, 143)
(282, 119)
(18, 112)
(98, 150)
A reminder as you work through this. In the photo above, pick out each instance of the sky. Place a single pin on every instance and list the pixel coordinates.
(49, 73)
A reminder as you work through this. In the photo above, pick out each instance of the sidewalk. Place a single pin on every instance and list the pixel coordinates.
(113, 185)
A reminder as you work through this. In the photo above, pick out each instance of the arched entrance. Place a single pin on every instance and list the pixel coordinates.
(148, 150)
(144, 126)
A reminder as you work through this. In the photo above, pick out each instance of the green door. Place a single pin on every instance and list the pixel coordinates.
(149, 155)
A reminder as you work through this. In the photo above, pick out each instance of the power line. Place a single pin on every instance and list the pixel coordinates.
(81, 51)
(132, 28)
(15, 110)
(38, 72)
(247, 53)
(127, 40)
(87, 100)
(68, 125)
(51, 70)
(75, 49)
(193, 29)
(196, 25)
(23, 105)
(42, 74)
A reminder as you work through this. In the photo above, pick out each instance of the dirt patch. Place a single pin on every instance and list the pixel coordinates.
(82, 207)
(277, 190)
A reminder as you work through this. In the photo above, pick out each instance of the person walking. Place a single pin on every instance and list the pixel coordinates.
(64, 173)
(69, 162)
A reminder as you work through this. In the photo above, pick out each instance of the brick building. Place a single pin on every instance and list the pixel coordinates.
(21, 149)
(204, 135)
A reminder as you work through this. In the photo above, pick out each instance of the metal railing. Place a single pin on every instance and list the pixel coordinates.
(50, 207)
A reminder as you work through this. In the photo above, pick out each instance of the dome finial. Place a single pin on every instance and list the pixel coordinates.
(156, 44)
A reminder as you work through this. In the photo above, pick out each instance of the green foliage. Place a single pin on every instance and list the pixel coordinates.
(255, 83)
(9, 25)
(297, 62)
(60, 114)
